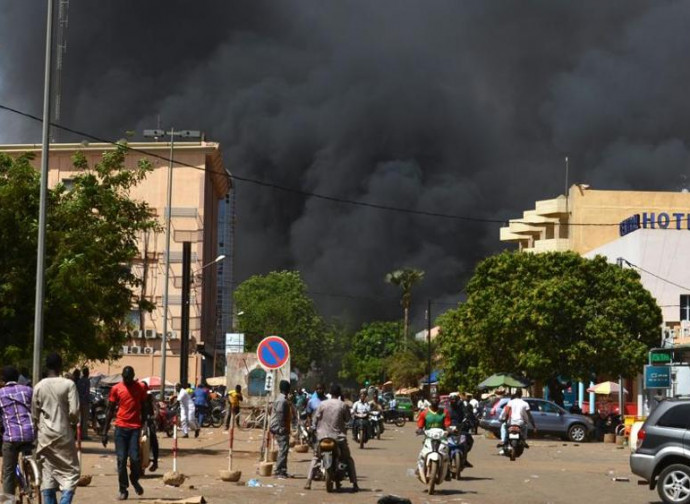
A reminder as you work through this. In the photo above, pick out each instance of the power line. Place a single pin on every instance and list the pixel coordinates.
(656, 276)
(301, 192)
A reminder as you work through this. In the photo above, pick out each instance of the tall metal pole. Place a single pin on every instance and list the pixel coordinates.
(428, 335)
(168, 215)
(40, 255)
(184, 329)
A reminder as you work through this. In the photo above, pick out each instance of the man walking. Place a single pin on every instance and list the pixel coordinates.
(129, 398)
(280, 428)
(187, 420)
(18, 436)
(84, 387)
(233, 412)
(55, 412)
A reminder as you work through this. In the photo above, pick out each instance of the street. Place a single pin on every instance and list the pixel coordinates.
(551, 471)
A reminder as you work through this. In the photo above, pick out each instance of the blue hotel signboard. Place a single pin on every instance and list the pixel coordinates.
(657, 377)
(654, 220)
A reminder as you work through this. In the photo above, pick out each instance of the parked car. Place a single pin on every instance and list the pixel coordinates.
(662, 454)
(405, 407)
(548, 417)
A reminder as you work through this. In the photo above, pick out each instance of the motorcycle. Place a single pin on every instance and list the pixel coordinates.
(432, 465)
(98, 410)
(516, 443)
(331, 467)
(165, 417)
(360, 429)
(394, 417)
(458, 448)
(375, 422)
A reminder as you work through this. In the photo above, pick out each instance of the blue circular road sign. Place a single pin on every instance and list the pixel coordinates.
(273, 352)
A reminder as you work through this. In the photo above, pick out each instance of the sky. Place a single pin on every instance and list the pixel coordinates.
(465, 108)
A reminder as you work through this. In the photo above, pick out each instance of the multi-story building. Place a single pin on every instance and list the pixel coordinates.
(200, 185)
(649, 231)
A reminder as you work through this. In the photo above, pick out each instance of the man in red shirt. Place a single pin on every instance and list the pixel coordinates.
(129, 397)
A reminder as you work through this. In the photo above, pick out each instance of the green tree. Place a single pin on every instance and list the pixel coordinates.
(405, 279)
(278, 304)
(91, 242)
(546, 314)
(371, 345)
(406, 366)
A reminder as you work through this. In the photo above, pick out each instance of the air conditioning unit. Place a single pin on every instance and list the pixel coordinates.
(125, 350)
(148, 350)
(135, 350)
(150, 334)
(685, 328)
(173, 335)
(136, 333)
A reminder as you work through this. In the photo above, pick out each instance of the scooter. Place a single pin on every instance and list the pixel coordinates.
(331, 466)
(458, 448)
(516, 443)
(375, 421)
(432, 465)
(360, 429)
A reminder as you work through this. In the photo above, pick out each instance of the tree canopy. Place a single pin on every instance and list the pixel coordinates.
(91, 242)
(546, 314)
(371, 346)
(278, 304)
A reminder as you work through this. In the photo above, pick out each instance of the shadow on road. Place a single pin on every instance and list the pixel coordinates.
(475, 478)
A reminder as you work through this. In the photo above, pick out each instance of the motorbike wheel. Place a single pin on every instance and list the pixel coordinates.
(360, 437)
(400, 421)
(513, 447)
(329, 481)
(378, 433)
(169, 431)
(459, 465)
(31, 493)
(217, 417)
(207, 421)
(431, 476)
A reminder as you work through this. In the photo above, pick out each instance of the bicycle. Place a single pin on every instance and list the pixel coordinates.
(29, 480)
(253, 420)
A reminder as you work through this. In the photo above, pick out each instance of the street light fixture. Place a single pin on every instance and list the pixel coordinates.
(157, 133)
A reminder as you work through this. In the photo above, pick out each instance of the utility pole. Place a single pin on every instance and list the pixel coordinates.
(186, 286)
(40, 253)
(157, 133)
(428, 336)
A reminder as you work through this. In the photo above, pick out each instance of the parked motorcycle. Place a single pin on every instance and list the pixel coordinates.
(166, 417)
(516, 442)
(432, 465)
(375, 422)
(332, 468)
(360, 429)
(98, 410)
(394, 417)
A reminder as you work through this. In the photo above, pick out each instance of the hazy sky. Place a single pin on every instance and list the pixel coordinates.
(458, 107)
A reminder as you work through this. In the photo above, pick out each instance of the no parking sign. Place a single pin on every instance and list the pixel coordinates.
(273, 352)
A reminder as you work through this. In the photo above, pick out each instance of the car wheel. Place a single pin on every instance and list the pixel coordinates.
(673, 484)
(577, 433)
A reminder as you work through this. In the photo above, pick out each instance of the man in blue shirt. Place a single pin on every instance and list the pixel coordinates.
(315, 400)
(200, 397)
(18, 436)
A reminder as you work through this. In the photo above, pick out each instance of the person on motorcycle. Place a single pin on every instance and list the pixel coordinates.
(433, 417)
(330, 421)
(458, 412)
(516, 412)
(360, 409)
(315, 400)
(375, 405)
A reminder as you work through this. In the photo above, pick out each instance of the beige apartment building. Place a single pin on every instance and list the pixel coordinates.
(589, 218)
(196, 194)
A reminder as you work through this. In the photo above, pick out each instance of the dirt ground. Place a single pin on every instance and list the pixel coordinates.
(551, 471)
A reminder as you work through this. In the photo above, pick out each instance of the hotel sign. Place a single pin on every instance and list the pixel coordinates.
(654, 220)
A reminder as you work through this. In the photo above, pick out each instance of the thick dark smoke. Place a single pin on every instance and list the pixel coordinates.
(456, 107)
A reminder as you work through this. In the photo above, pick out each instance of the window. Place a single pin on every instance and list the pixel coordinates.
(257, 382)
(677, 417)
(685, 307)
(549, 408)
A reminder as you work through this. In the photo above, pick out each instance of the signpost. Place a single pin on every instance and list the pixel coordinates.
(273, 353)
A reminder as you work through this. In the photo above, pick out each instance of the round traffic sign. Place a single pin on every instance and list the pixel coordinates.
(273, 352)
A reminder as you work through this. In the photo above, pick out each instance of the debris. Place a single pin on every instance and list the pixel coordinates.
(620, 478)
(198, 499)
(253, 483)
(393, 499)
(173, 478)
(84, 480)
(231, 476)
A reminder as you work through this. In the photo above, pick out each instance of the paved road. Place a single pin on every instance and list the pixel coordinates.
(551, 471)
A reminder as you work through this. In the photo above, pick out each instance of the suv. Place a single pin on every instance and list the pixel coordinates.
(549, 418)
(662, 454)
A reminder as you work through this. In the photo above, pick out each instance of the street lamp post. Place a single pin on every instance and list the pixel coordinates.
(157, 133)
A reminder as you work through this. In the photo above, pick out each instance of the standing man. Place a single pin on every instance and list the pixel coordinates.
(201, 399)
(18, 431)
(280, 428)
(316, 398)
(233, 412)
(129, 398)
(330, 421)
(84, 387)
(186, 409)
(55, 412)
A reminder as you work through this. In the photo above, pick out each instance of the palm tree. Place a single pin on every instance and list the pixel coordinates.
(405, 279)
